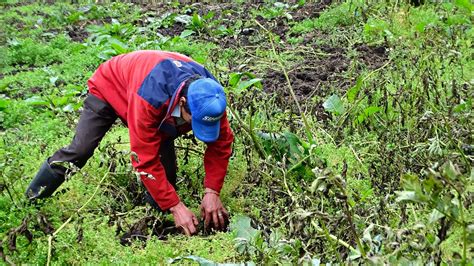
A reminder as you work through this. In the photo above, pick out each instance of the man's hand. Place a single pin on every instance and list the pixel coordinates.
(184, 218)
(213, 210)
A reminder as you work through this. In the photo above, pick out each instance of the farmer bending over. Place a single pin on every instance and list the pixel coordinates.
(159, 96)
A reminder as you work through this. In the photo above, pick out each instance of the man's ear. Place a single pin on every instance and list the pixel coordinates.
(182, 101)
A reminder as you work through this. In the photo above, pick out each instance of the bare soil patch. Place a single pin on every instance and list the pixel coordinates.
(311, 10)
(372, 56)
(315, 75)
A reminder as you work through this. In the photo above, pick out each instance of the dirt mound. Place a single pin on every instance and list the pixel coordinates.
(316, 75)
(320, 75)
(310, 10)
(147, 227)
(311, 77)
(372, 56)
(77, 33)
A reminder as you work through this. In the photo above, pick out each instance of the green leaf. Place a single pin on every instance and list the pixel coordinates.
(334, 105)
(53, 80)
(406, 196)
(369, 111)
(435, 216)
(355, 254)
(234, 79)
(464, 106)
(209, 15)
(409, 196)
(61, 101)
(249, 83)
(354, 91)
(197, 21)
(184, 19)
(450, 171)
(186, 33)
(205, 262)
(413, 191)
(118, 46)
(241, 225)
(465, 4)
(36, 101)
(4, 86)
(315, 262)
(239, 86)
(296, 147)
(4, 104)
(201, 261)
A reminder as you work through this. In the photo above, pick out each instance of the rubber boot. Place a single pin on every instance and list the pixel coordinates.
(149, 199)
(44, 184)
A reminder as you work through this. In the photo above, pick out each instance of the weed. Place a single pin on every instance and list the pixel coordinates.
(352, 121)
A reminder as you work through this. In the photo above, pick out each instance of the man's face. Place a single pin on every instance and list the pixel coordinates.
(184, 114)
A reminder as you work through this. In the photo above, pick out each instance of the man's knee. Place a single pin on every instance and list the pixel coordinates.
(74, 153)
(83, 153)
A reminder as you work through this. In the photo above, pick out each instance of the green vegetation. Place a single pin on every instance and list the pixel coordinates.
(353, 124)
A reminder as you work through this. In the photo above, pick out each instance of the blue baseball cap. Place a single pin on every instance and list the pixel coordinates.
(207, 103)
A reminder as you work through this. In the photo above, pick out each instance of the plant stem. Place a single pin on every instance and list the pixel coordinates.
(261, 152)
(348, 213)
(51, 237)
(333, 237)
(288, 188)
(292, 92)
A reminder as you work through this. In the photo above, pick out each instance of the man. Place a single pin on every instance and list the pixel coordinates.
(159, 96)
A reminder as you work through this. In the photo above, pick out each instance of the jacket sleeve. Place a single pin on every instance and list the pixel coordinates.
(145, 142)
(216, 157)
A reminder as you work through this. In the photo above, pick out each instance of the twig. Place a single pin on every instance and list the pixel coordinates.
(288, 188)
(333, 237)
(292, 92)
(51, 237)
(342, 118)
(250, 132)
(10, 195)
(190, 149)
(355, 154)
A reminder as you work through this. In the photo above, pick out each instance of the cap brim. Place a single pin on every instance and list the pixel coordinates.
(206, 132)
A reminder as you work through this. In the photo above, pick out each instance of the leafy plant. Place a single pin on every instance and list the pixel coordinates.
(67, 102)
(445, 192)
(195, 22)
(241, 82)
(334, 105)
(111, 38)
(251, 243)
(277, 10)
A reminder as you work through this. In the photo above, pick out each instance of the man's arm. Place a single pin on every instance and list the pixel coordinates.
(216, 160)
(145, 144)
(143, 122)
(216, 157)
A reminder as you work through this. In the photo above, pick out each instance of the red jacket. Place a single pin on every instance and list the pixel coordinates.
(141, 86)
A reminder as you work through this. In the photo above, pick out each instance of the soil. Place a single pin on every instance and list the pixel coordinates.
(140, 230)
(314, 76)
(174, 30)
(248, 34)
(78, 32)
(310, 10)
(372, 56)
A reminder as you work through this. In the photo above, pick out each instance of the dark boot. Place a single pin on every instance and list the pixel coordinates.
(148, 199)
(45, 183)
(168, 160)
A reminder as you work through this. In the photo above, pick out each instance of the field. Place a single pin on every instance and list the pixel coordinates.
(353, 124)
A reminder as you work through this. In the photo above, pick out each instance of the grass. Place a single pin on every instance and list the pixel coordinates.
(404, 111)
